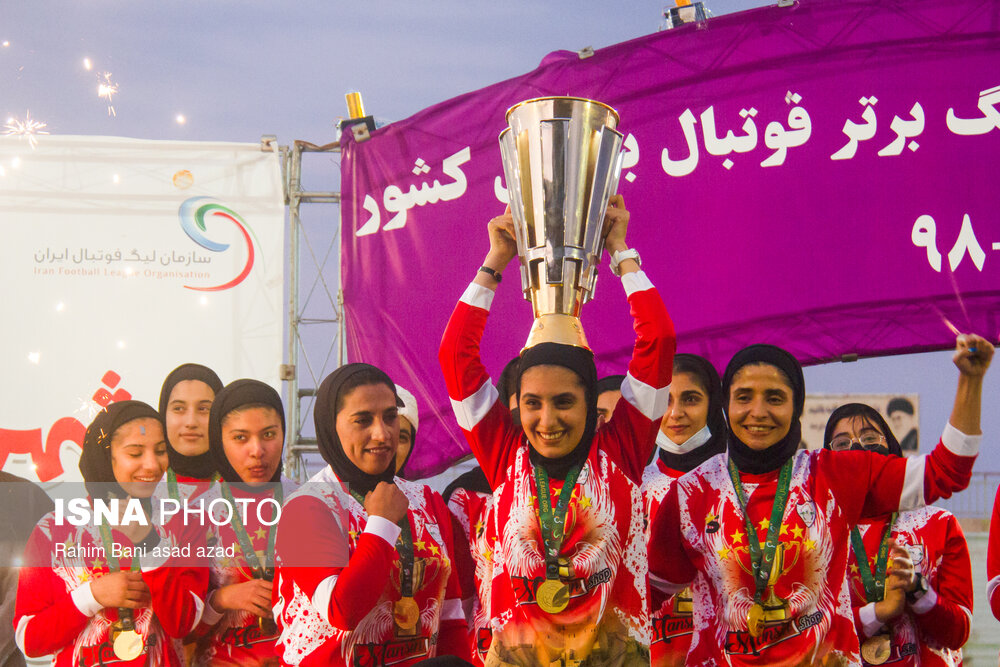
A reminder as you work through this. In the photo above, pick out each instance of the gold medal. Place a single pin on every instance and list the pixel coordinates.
(876, 650)
(755, 620)
(406, 613)
(127, 644)
(552, 596)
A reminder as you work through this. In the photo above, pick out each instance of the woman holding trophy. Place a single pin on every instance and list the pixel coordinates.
(569, 582)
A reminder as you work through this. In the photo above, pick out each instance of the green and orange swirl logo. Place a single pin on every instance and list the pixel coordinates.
(193, 213)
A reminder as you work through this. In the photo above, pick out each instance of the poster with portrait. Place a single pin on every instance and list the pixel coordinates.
(900, 411)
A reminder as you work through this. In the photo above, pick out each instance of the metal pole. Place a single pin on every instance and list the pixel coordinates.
(292, 458)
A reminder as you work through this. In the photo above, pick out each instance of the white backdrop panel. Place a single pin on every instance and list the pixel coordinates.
(121, 259)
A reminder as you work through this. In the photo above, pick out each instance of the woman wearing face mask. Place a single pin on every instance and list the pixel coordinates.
(246, 436)
(767, 527)
(99, 594)
(185, 404)
(921, 613)
(408, 421)
(692, 431)
(567, 507)
(365, 558)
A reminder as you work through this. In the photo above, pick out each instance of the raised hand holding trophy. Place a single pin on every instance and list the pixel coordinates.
(561, 159)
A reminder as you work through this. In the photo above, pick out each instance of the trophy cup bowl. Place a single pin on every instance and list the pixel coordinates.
(561, 160)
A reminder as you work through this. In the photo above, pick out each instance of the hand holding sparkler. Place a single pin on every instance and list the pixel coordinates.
(973, 354)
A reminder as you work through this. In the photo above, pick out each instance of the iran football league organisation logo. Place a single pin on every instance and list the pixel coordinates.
(193, 213)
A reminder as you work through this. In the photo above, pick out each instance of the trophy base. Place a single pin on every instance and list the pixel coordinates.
(557, 328)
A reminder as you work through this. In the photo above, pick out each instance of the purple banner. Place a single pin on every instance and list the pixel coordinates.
(821, 177)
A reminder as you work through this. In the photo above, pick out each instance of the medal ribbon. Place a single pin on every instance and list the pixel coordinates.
(763, 560)
(874, 581)
(404, 547)
(553, 522)
(266, 571)
(124, 614)
(172, 484)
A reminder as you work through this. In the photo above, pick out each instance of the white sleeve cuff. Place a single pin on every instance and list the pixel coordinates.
(199, 606)
(148, 563)
(321, 597)
(991, 588)
(635, 282)
(383, 528)
(648, 400)
(85, 601)
(471, 410)
(665, 586)
(959, 443)
(22, 627)
(925, 603)
(209, 615)
(478, 296)
(869, 623)
(912, 495)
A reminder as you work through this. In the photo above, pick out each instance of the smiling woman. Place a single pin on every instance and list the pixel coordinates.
(692, 431)
(761, 536)
(123, 604)
(567, 519)
(397, 594)
(185, 404)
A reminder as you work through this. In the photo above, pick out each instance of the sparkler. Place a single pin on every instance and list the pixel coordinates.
(954, 330)
(27, 128)
(106, 89)
(87, 409)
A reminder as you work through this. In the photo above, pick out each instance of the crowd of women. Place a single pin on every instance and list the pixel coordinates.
(685, 526)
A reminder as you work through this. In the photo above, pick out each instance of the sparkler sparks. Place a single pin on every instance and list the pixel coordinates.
(87, 409)
(87, 65)
(28, 128)
(106, 89)
(951, 327)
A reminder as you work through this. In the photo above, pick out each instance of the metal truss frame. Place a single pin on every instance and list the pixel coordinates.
(314, 307)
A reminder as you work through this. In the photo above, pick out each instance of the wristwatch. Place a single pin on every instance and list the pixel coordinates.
(620, 256)
(921, 589)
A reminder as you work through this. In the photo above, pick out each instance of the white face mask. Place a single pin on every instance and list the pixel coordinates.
(692, 443)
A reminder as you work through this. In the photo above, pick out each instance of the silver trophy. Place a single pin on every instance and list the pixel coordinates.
(562, 159)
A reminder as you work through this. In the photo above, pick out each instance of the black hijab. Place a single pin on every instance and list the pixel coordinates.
(866, 413)
(336, 385)
(201, 466)
(95, 460)
(708, 378)
(233, 396)
(581, 361)
(772, 458)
